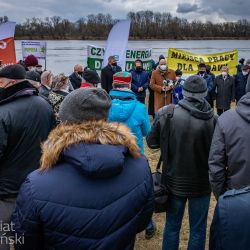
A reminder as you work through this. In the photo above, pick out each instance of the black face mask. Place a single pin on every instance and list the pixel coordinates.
(202, 72)
(80, 73)
(114, 64)
(139, 68)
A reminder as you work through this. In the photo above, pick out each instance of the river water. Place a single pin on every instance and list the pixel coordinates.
(63, 55)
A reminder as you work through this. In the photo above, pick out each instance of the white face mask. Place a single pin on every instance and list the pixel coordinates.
(224, 74)
(178, 78)
(163, 67)
(244, 73)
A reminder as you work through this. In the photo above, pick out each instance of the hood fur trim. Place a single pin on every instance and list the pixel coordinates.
(90, 132)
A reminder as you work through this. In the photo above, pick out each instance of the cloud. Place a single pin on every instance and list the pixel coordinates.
(186, 8)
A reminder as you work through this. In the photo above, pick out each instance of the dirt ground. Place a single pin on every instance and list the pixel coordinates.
(156, 242)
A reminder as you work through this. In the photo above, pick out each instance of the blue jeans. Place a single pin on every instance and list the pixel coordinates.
(198, 211)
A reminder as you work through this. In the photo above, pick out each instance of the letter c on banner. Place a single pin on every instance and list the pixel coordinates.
(3, 45)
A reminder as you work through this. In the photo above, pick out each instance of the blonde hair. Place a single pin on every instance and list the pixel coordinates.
(60, 81)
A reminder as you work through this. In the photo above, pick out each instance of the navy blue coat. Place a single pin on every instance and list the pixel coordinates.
(231, 221)
(240, 85)
(96, 197)
(139, 79)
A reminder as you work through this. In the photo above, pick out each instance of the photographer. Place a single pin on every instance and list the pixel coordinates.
(162, 83)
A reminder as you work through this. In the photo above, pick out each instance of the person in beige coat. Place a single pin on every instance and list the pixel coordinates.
(157, 85)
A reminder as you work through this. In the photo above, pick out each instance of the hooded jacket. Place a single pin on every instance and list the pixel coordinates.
(93, 191)
(185, 154)
(25, 122)
(229, 160)
(126, 109)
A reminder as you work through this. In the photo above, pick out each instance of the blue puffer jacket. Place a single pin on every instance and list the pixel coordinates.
(96, 196)
(139, 79)
(231, 222)
(126, 109)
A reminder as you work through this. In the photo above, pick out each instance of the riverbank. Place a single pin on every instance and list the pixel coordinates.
(131, 38)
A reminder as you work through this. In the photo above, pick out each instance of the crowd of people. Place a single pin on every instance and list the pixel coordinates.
(73, 173)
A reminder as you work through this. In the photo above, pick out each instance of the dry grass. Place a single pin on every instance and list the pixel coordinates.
(156, 242)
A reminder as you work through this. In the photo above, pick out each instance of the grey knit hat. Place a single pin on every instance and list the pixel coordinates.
(85, 104)
(195, 86)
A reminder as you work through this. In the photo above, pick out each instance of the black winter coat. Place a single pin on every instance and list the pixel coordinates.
(229, 160)
(185, 156)
(107, 77)
(25, 122)
(75, 80)
(225, 91)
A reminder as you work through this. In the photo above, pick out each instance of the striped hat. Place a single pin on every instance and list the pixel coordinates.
(122, 78)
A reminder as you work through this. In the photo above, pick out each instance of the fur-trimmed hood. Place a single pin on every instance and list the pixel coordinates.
(97, 147)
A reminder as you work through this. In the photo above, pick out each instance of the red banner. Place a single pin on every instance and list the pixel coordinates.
(7, 51)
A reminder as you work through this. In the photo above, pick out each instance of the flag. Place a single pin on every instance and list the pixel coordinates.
(7, 43)
(117, 43)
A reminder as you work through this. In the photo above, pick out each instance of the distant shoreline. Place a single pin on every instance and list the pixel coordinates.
(136, 39)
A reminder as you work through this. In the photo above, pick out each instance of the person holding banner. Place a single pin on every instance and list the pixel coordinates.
(108, 72)
(140, 81)
(162, 83)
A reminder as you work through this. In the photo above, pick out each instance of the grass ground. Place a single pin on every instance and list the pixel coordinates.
(156, 242)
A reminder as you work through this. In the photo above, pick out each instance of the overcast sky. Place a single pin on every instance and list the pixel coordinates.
(204, 10)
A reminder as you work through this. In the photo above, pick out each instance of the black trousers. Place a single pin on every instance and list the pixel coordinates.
(141, 99)
(6, 210)
(220, 111)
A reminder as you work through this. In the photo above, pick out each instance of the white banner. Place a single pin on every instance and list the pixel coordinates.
(7, 30)
(36, 48)
(117, 43)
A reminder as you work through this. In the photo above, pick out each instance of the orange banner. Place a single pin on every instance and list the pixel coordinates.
(7, 51)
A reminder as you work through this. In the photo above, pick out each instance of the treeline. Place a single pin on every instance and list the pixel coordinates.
(145, 25)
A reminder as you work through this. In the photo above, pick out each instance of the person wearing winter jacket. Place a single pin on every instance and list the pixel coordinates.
(229, 171)
(59, 91)
(140, 81)
(93, 190)
(25, 122)
(108, 72)
(229, 160)
(185, 145)
(177, 90)
(224, 87)
(230, 226)
(76, 77)
(241, 82)
(46, 82)
(127, 109)
(202, 72)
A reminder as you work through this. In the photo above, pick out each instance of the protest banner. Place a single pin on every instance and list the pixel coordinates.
(96, 54)
(36, 48)
(188, 62)
(7, 43)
